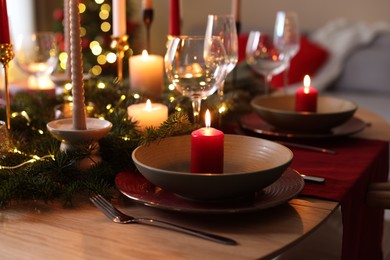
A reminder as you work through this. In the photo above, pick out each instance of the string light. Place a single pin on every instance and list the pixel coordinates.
(101, 85)
(222, 108)
(34, 158)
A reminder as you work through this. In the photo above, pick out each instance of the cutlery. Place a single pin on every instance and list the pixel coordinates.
(313, 178)
(119, 217)
(296, 145)
(308, 147)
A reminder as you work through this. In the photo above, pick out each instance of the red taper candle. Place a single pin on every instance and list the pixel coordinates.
(4, 26)
(174, 18)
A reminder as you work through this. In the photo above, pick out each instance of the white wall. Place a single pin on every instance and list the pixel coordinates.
(260, 14)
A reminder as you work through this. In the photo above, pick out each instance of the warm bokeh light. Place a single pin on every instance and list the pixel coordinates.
(96, 70)
(63, 58)
(106, 7)
(83, 31)
(101, 59)
(101, 85)
(82, 8)
(105, 26)
(95, 48)
(111, 57)
(104, 14)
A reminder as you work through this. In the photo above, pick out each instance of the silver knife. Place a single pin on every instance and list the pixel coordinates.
(313, 178)
(308, 147)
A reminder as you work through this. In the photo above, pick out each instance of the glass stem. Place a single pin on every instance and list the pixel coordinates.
(267, 84)
(221, 91)
(196, 102)
(285, 77)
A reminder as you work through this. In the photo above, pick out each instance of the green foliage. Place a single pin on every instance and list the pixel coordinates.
(56, 176)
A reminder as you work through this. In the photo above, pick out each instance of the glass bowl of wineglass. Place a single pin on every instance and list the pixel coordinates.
(287, 37)
(37, 53)
(196, 67)
(224, 26)
(263, 57)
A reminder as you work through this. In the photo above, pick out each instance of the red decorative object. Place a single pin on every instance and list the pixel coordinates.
(4, 27)
(174, 18)
(306, 97)
(207, 149)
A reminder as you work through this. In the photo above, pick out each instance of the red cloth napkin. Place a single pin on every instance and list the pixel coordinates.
(357, 163)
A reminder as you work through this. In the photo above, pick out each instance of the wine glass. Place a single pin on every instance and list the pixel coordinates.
(287, 37)
(263, 57)
(195, 71)
(37, 53)
(224, 26)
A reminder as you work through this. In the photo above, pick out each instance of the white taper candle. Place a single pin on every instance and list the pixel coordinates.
(118, 18)
(78, 115)
(67, 39)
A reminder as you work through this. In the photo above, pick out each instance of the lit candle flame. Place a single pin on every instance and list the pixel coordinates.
(306, 84)
(148, 105)
(208, 119)
(145, 55)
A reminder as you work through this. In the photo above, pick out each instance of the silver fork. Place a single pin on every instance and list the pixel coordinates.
(119, 217)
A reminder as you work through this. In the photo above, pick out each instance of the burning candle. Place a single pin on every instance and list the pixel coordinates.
(207, 146)
(306, 97)
(119, 18)
(4, 26)
(148, 114)
(174, 18)
(146, 74)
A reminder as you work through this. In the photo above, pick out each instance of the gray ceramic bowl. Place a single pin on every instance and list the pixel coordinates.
(250, 164)
(279, 111)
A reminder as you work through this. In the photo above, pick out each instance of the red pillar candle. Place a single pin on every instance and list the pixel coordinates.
(174, 18)
(306, 97)
(207, 149)
(4, 27)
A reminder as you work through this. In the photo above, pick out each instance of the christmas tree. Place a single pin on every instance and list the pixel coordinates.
(96, 29)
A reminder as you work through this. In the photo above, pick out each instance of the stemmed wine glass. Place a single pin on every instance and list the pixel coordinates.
(287, 37)
(224, 26)
(37, 53)
(196, 67)
(263, 57)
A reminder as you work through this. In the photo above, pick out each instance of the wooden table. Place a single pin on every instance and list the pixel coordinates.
(34, 230)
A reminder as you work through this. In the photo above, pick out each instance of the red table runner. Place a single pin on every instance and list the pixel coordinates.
(348, 173)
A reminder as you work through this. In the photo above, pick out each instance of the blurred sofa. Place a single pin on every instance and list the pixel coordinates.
(365, 75)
